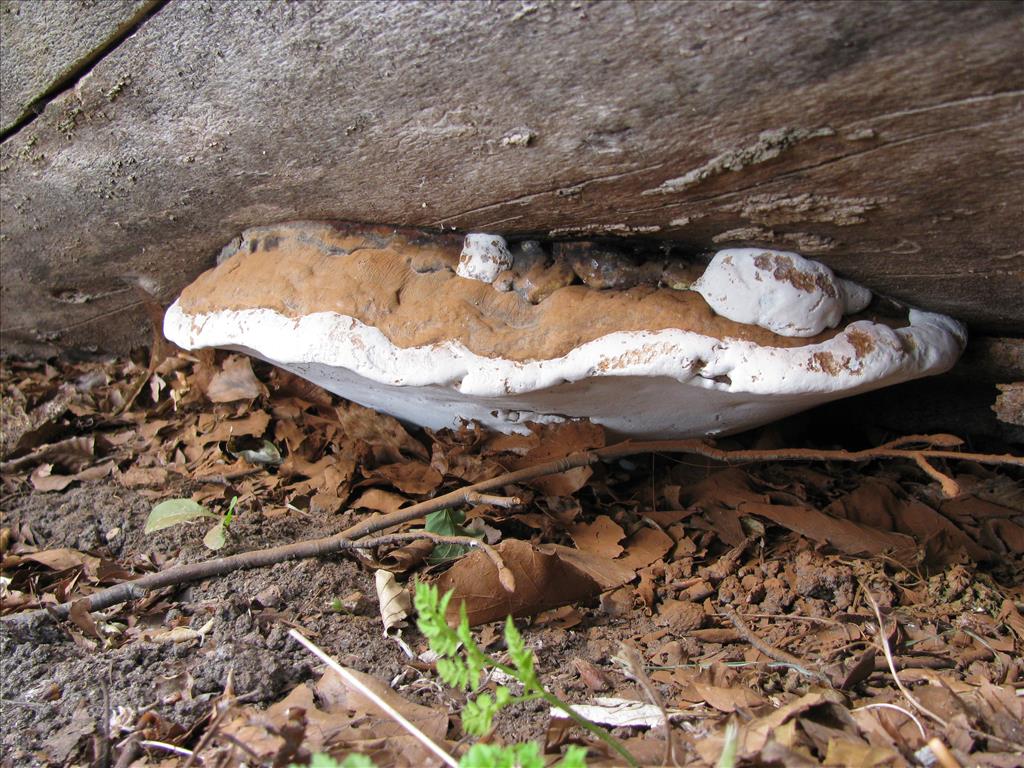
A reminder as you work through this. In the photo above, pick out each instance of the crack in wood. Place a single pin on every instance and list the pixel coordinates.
(81, 68)
(524, 199)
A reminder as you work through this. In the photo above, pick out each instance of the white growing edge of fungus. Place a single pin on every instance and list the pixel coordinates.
(666, 383)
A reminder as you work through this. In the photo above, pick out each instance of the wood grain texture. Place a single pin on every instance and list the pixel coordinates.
(881, 138)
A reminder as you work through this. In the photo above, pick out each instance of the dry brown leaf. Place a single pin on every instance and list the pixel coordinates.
(644, 547)
(719, 496)
(286, 383)
(234, 381)
(379, 430)
(140, 477)
(600, 537)
(296, 465)
(253, 424)
(606, 573)
(456, 461)
(72, 454)
(564, 483)
(1009, 533)
(845, 535)
(725, 699)
(324, 503)
(545, 578)
(874, 504)
(381, 501)
(559, 440)
(408, 476)
(79, 616)
(45, 481)
(556, 441)
(858, 754)
(336, 695)
(339, 716)
(56, 559)
(754, 735)
(405, 558)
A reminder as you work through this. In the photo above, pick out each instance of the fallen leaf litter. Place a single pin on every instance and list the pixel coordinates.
(748, 589)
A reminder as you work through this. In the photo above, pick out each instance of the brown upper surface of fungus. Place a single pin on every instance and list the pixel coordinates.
(403, 284)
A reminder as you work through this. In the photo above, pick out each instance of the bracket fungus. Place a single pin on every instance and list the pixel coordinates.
(434, 333)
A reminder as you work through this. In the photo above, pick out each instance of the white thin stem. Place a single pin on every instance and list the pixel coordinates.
(358, 684)
(892, 664)
(907, 712)
(166, 747)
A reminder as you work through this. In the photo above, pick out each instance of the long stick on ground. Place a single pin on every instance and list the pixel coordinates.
(348, 538)
(369, 693)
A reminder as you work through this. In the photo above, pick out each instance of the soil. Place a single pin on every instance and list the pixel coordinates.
(804, 641)
(176, 680)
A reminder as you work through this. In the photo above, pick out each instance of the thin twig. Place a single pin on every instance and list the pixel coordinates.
(942, 753)
(220, 711)
(770, 650)
(369, 693)
(505, 576)
(884, 641)
(505, 502)
(103, 759)
(630, 658)
(226, 478)
(331, 544)
(230, 737)
(950, 487)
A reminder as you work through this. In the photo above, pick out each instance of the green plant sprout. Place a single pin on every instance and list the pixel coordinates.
(524, 755)
(463, 669)
(175, 511)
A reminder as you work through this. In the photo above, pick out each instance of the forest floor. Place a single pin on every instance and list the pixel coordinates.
(810, 608)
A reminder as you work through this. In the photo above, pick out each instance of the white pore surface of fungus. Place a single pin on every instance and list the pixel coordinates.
(484, 257)
(668, 383)
(778, 290)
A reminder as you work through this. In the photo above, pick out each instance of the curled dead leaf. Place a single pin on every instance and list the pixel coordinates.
(394, 600)
(234, 381)
(545, 577)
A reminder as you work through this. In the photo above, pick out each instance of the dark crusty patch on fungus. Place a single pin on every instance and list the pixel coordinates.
(782, 268)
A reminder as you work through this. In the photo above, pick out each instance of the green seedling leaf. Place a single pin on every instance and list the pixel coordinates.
(448, 522)
(727, 758)
(353, 760)
(267, 455)
(524, 755)
(215, 538)
(174, 511)
(230, 514)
